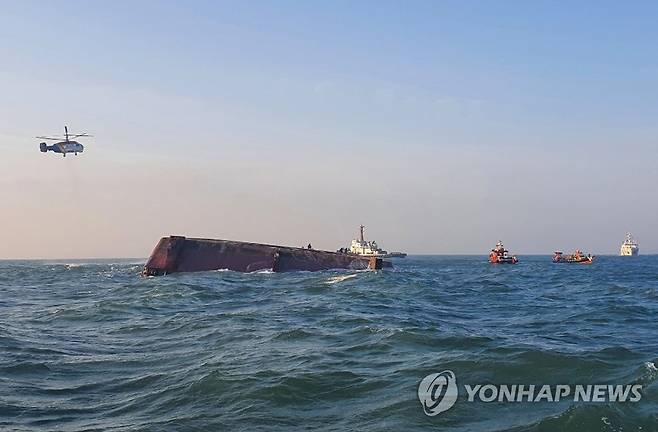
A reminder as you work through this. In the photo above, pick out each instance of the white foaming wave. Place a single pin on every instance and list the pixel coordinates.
(337, 279)
(386, 331)
(648, 373)
(651, 370)
(66, 265)
(265, 271)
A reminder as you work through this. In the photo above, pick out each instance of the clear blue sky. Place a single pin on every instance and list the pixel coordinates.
(442, 126)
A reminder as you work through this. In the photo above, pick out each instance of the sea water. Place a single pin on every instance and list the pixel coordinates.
(91, 345)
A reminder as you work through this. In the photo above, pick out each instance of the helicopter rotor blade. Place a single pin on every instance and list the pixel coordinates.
(64, 137)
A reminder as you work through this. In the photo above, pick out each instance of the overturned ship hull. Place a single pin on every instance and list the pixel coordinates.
(180, 254)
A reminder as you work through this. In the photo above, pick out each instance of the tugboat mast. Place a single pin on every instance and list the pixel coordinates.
(361, 231)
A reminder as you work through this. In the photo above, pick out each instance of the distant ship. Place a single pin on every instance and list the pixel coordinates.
(365, 248)
(629, 247)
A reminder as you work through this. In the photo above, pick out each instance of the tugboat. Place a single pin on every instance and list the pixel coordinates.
(578, 257)
(369, 249)
(629, 247)
(499, 255)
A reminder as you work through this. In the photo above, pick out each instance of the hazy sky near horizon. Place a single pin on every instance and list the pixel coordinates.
(443, 126)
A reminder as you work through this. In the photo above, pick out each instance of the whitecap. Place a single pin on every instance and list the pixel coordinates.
(265, 271)
(337, 279)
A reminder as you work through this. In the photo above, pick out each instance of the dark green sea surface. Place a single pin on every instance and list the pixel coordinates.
(93, 346)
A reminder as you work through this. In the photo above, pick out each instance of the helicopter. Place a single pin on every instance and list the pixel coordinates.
(63, 147)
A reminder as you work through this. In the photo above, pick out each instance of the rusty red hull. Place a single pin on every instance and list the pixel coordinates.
(180, 254)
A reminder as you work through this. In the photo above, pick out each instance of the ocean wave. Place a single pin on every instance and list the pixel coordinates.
(338, 279)
(96, 347)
